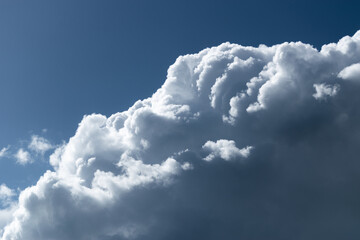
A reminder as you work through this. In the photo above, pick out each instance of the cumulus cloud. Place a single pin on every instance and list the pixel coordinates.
(6, 215)
(141, 174)
(23, 157)
(7, 205)
(39, 144)
(225, 149)
(351, 72)
(325, 90)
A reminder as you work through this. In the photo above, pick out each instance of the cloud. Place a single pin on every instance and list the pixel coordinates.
(225, 149)
(39, 144)
(325, 90)
(7, 205)
(351, 72)
(6, 194)
(6, 215)
(4, 151)
(141, 174)
(23, 157)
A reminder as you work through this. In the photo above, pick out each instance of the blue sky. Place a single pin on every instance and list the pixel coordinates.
(61, 60)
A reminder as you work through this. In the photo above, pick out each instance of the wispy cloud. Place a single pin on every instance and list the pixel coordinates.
(39, 144)
(4, 151)
(6, 195)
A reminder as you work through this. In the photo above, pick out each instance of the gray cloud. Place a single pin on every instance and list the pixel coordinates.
(141, 174)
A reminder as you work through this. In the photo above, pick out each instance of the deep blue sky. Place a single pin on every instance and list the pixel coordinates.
(62, 59)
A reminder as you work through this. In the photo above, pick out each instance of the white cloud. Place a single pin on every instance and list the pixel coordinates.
(23, 157)
(6, 194)
(128, 176)
(39, 144)
(325, 90)
(7, 205)
(351, 72)
(6, 215)
(4, 151)
(225, 149)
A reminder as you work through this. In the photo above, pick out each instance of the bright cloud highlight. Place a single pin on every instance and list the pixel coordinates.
(225, 149)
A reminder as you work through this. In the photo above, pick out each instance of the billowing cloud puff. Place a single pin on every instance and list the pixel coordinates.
(351, 72)
(7, 205)
(141, 174)
(225, 149)
(323, 90)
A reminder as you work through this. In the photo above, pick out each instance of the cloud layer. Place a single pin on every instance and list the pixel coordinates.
(147, 173)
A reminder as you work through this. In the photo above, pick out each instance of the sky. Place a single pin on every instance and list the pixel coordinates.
(252, 123)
